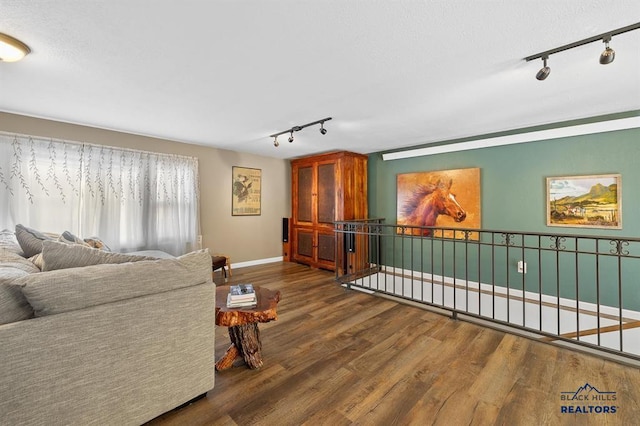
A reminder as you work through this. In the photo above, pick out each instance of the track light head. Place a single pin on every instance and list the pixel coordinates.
(275, 142)
(291, 137)
(608, 55)
(322, 129)
(544, 71)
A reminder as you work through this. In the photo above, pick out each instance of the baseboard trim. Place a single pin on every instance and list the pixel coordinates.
(256, 262)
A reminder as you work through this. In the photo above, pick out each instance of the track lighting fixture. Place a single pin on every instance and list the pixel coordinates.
(297, 129)
(605, 58)
(609, 54)
(11, 49)
(544, 71)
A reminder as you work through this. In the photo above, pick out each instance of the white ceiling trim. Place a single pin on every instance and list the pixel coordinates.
(541, 135)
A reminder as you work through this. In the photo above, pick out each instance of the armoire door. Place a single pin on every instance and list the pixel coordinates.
(304, 202)
(326, 193)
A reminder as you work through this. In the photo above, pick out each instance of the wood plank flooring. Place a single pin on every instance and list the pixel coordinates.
(339, 357)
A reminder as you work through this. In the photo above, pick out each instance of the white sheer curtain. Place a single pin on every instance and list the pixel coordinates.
(132, 200)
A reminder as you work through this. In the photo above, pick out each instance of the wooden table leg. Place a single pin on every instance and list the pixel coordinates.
(246, 338)
(227, 360)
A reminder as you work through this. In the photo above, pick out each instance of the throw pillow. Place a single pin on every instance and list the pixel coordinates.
(96, 242)
(30, 240)
(9, 242)
(13, 260)
(68, 237)
(57, 255)
(37, 260)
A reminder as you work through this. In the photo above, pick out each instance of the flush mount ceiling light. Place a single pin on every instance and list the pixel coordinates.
(605, 58)
(297, 129)
(12, 49)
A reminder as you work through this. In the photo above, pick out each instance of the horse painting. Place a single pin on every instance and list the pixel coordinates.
(429, 201)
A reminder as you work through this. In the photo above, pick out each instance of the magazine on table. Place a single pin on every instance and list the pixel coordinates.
(241, 290)
(241, 295)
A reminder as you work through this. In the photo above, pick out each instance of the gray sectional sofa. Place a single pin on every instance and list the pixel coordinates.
(109, 343)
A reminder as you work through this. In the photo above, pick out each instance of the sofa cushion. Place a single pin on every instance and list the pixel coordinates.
(30, 240)
(13, 305)
(56, 255)
(60, 291)
(9, 242)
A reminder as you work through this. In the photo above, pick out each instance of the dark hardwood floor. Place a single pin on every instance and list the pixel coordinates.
(339, 357)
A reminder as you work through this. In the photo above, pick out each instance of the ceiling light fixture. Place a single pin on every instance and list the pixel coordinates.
(605, 58)
(297, 129)
(609, 54)
(544, 71)
(12, 49)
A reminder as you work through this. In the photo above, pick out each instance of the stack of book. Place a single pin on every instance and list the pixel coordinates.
(241, 296)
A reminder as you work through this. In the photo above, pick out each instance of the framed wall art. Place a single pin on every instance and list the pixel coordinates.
(585, 201)
(246, 192)
(446, 198)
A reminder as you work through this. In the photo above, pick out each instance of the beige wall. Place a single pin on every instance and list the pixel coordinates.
(244, 238)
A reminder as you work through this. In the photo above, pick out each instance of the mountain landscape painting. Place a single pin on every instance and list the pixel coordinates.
(585, 201)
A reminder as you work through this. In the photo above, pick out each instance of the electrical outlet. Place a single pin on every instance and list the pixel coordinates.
(199, 242)
(522, 267)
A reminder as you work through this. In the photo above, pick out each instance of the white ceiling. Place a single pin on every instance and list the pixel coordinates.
(391, 73)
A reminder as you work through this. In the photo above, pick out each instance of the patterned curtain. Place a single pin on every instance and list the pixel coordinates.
(132, 200)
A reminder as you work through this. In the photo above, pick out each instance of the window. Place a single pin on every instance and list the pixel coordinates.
(132, 200)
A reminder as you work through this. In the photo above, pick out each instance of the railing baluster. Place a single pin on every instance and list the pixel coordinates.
(455, 306)
(540, 284)
(493, 275)
(598, 288)
(479, 276)
(522, 257)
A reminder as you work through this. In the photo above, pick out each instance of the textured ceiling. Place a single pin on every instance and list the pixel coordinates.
(391, 73)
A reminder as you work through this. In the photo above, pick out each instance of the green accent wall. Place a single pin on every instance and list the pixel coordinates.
(513, 193)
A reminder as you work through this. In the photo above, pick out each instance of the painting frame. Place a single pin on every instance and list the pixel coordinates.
(246, 191)
(584, 201)
(465, 187)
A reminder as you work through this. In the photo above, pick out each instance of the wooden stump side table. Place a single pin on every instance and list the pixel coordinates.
(243, 326)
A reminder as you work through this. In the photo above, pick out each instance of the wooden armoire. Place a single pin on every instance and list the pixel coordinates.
(325, 188)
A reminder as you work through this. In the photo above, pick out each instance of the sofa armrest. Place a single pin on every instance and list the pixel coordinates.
(124, 362)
